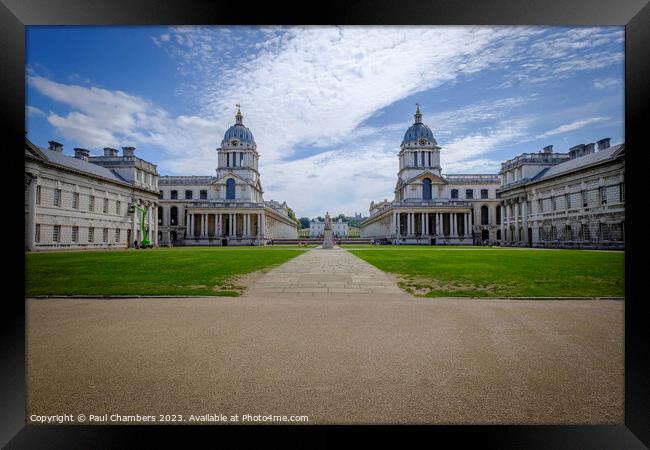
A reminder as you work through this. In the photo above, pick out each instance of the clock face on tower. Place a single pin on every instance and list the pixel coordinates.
(423, 141)
(234, 142)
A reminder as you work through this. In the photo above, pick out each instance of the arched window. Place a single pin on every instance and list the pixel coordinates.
(426, 189)
(173, 216)
(230, 189)
(484, 215)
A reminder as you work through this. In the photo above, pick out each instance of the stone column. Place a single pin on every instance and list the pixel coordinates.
(516, 214)
(154, 210)
(425, 218)
(524, 221)
(454, 224)
(31, 204)
(467, 228)
(504, 221)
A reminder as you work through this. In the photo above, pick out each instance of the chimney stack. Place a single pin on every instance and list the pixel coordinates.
(128, 151)
(81, 153)
(108, 151)
(548, 149)
(590, 148)
(55, 146)
(603, 144)
(577, 151)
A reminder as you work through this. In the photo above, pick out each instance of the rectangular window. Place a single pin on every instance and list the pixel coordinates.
(75, 200)
(604, 232)
(622, 185)
(75, 234)
(118, 207)
(160, 194)
(429, 158)
(423, 163)
(105, 235)
(227, 159)
(415, 159)
(188, 195)
(568, 201)
(37, 235)
(174, 195)
(585, 232)
(57, 197)
(553, 204)
(38, 195)
(91, 234)
(91, 203)
(105, 209)
(56, 233)
(241, 159)
(454, 193)
(204, 194)
(484, 193)
(469, 194)
(117, 235)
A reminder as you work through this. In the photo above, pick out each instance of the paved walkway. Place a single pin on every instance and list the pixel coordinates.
(335, 273)
(367, 353)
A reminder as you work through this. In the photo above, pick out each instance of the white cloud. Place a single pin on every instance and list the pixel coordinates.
(605, 83)
(572, 126)
(34, 111)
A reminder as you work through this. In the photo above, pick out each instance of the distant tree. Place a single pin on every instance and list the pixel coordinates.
(292, 215)
(304, 222)
(320, 219)
(341, 216)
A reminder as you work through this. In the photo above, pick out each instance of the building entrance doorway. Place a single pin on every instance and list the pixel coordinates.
(485, 235)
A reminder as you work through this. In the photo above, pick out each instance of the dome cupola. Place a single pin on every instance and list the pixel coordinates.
(418, 134)
(238, 136)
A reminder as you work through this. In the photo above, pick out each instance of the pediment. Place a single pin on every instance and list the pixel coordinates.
(238, 179)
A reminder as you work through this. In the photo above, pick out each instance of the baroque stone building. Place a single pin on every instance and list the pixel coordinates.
(227, 209)
(544, 199)
(574, 199)
(429, 207)
(86, 202)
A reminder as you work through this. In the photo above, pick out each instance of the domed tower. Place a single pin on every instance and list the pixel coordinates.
(238, 151)
(419, 150)
(237, 174)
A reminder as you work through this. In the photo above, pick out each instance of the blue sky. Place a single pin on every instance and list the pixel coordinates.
(328, 105)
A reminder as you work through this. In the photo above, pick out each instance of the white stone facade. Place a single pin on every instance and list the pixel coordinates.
(228, 209)
(339, 228)
(430, 208)
(77, 203)
(574, 199)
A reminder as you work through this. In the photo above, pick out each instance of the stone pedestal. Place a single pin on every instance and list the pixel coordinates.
(327, 239)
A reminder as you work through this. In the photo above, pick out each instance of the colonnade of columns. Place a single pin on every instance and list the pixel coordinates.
(207, 225)
(431, 224)
(514, 226)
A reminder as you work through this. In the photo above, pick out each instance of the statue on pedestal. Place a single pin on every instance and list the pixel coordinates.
(327, 233)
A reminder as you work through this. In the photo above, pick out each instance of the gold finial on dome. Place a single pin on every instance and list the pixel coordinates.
(238, 116)
(418, 114)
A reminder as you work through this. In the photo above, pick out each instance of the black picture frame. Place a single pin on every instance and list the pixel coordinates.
(15, 15)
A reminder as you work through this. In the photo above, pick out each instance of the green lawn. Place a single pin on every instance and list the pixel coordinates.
(173, 271)
(496, 272)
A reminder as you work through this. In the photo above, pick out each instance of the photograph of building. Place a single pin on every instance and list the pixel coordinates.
(181, 262)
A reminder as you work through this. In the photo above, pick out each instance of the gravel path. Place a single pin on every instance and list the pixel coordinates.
(337, 357)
